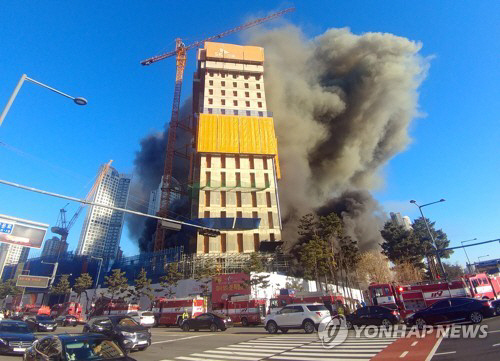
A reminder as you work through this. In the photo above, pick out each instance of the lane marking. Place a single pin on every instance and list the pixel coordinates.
(403, 354)
(331, 354)
(497, 344)
(179, 339)
(493, 331)
(445, 353)
(414, 343)
(434, 349)
(289, 358)
(232, 357)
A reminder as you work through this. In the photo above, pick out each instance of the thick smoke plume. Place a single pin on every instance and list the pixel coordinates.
(342, 106)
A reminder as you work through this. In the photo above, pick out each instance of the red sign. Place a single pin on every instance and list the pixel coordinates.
(229, 284)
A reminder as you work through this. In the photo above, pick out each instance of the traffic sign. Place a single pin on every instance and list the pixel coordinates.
(32, 281)
(22, 232)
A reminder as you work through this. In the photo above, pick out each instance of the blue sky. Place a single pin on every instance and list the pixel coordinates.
(93, 49)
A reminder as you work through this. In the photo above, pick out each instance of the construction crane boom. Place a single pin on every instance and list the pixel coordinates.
(180, 53)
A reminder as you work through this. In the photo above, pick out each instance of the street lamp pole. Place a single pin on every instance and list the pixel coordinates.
(77, 100)
(430, 233)
(479, 258)
(466, 255)
(99, 272)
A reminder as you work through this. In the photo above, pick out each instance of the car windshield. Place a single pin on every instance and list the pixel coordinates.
(317, 308)
(14, 328)
(127, 322)
(92, 350)
(44, 318)
(147, 314)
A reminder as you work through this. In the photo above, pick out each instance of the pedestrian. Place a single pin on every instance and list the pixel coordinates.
(185, 315)
(363, 303)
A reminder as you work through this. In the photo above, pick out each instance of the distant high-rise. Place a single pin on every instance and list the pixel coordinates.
(54, 247)
(155, 197)
(102, 227)
(12, 254)
(401, 220)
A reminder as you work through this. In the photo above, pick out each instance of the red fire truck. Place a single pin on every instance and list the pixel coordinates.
(243, 309)
(67, 309)
(169, 312)
(104, 306)
(413, 297)
(34, 310)
(287, 296)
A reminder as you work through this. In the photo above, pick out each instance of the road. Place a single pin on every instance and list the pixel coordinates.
(254, 344)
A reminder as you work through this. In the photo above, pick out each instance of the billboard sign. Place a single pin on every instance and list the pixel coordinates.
(32, 281)
(22, 232)
(229, 284)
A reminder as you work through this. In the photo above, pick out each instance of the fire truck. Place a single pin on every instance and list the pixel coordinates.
(169, 312)
(34, 310)
(417, 296)
(104, 306)
(243, 309)
(67, 309)
(288, 296)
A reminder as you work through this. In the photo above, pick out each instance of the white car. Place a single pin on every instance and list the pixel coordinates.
(306, 316)
(145, 318)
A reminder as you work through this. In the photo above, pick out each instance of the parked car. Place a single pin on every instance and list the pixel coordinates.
(76, 347)
(450, 310)
(305, 316)
(15, 337)
(145, 318)
(41, 323)
(496, 306)
(67, 320)
(129, 334)
(207, 321)
(373, 315)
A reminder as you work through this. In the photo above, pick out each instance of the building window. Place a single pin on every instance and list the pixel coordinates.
(209, 110)
(258, 86)
(247, 94)
(238, 199)
(246, 77)
(238, 179)
(223, 179)
(223, 199)
(235, 103)
(271, 237)
(237, 161)
(247, 104)
(240, 242)
(248, 112)
(235, 93)
(207, 176)
(223, 101)
(210, 91)
(223, 161)
(246, 85)
(210, 73)
(223, 243)
(252, 163)
(223, 83)
(235, 84)
(210, 82)
(255, 215)
(259, 95)
(259, 104)
(235, 112)
(223, 111)
(206, 214)
(264, 160)
(223, 214)
(207, 198)
(268, 199)
(270, 219)
(266, 180)
(223, 92)
(206, 244)
(252, 180)
(256, 242)
(210, 101)
(223, 75)
(239, 214)
(254, 199)
(257, 77)
(235, 76)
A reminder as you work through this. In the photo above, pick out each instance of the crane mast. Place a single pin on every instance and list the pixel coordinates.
(180, 53)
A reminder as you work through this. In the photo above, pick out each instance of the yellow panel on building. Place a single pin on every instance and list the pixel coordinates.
(268, 138)
(250, 135)
(207, 133)
(224, 51)
(228, 134)
(253, 53)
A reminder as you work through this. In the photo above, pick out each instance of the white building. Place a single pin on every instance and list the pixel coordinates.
(102, 227)
(155, 197)
(401, 220)
(12, 254)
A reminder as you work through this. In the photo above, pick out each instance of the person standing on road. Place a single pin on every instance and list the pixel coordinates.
(185, 315)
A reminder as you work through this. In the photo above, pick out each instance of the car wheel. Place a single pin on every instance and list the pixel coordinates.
(284, 330)
(348, 324)
(179, 322)
(476, 317)
(386, 323)
(497, 310)
(244, 322)
(309, 326)
(272, 327)
(185, 327)
(213, 327)
(420, 322)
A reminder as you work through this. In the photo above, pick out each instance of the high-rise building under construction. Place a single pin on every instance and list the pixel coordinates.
(236, 165)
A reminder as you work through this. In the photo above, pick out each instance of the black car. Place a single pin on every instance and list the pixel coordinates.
(373, 315)
(67, 320)
(207, 321)
(496, 306)
(41, 323)
(123, 329)
(76, 347)
(15, 337)
(449, 310)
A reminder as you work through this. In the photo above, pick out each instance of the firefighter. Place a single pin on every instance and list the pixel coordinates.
(340, 309)
(185, 315)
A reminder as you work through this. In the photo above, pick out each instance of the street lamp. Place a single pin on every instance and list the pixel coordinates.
(479, 258)
(77, 100)
(430, 233)
(466, 255)
(99, 272)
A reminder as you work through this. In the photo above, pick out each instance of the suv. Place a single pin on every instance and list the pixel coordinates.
(307, 316)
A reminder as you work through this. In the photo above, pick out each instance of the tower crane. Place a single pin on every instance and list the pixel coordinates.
(180, 55)
(62, 227)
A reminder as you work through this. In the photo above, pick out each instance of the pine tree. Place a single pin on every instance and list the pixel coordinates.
(142, 287)
(9, 288)
(62, 287)
(422, 235)
(117, 283)
(82, 284)
(400, 245)
(170, 280)
(255, 265)
(204, 274)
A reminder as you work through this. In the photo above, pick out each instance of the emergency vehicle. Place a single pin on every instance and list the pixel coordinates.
(34, 310)
(104, 306)
(413, 297)
(243, 309)
(67, 309)
(169, 312)
(288, 296)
